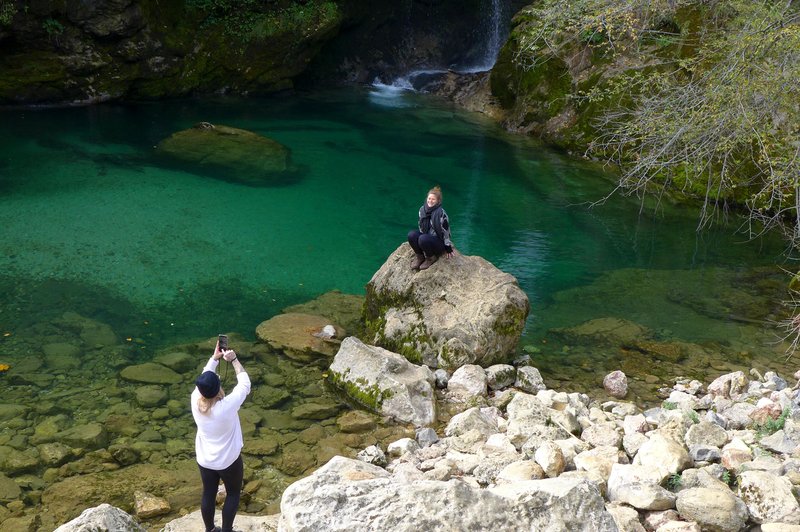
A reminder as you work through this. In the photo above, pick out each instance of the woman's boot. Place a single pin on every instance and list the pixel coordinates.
(428, 262)
(418, 260)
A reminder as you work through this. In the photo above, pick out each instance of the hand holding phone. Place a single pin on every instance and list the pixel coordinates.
(223, 342)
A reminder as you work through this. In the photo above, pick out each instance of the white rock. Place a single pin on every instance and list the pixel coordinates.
(716, 510)
(402, 446)
(769, 498)
(467, 382)
(550, 457)
(663, 455)
(103, 517)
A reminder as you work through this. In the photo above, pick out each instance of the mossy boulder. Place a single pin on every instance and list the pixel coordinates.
(384, 382)
(229, 153)
(462, 310)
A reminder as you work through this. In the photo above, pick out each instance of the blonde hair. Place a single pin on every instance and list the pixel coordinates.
(436, 191)
(204, 404)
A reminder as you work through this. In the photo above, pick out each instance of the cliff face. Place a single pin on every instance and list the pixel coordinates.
(96, 50)
(86, 51)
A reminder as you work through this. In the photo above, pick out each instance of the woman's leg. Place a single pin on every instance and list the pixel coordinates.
(413, 239)
(431, 245)
(232, 476)
(208, 500)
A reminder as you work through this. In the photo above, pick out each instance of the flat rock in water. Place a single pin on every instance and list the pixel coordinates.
(293, 335)
(233, 154)
(150, 373)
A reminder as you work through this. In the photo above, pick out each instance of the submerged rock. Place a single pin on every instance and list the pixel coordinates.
(460, 311)
(233, 154)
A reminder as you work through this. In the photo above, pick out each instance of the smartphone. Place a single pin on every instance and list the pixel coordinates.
(223, 342)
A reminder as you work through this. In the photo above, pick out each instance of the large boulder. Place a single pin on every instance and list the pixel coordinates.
(346, 494)
(384, 382)
(234, 154)
(462, 310)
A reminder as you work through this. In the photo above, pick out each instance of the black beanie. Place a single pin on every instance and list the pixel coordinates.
(208, 384)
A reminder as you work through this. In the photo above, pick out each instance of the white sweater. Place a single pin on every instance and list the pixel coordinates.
(219, 434)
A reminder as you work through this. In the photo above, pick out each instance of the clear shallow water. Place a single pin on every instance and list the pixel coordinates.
(94, 222)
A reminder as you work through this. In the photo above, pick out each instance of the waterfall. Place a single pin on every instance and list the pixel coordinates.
(491, 35)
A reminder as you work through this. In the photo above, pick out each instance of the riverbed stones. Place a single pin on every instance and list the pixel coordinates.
(150, 373)
(384, 382)
(293, 334)
(9, 490)
(146, 505)
(459, 311)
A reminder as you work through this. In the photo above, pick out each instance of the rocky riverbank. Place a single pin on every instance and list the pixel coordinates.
(495, 448)
(721, 457)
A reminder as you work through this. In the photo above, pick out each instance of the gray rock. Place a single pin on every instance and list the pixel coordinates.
(102, 518)
(705, 453)
(471, 419)
(638, 486)
(728, 385)
(426, 437)
(664, 455)
(442, 378)
(529, 380)
(151, 396)
(707, 434)
(780, 443)
(372, 455)
(603, 434)
(626, 518)
(500, 376)
(467, 382)
(460, 311)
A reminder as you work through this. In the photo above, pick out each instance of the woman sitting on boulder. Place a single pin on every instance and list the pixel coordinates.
(433, 237)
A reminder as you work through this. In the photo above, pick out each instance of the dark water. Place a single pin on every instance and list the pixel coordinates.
(93, 221)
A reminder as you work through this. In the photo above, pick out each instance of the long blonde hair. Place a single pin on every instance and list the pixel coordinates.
(204, 404)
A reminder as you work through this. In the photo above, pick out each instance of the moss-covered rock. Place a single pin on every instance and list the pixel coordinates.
(232, 154)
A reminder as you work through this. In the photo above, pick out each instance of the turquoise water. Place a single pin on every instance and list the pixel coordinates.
(94, 222)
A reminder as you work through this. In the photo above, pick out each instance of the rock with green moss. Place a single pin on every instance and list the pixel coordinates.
(232, 154)
(462, 310)
(384, 382)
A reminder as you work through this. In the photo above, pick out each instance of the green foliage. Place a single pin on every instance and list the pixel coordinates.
(7, 11)
(53, 27)
(674, 482)
(727, 478)
(692, 415)
(772, 426)
(667, 405)
(253, 20)
(696, 96)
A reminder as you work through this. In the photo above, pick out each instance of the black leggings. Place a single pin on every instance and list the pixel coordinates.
(232, 476)
(426, 244)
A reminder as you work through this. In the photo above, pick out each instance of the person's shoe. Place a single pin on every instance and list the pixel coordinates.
(418, 260)
(428, 262)
(215, 529)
